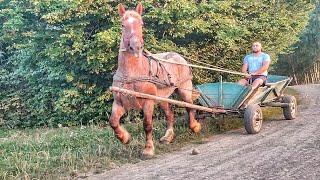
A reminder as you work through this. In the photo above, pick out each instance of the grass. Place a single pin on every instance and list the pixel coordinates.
(66, 152)
(50, 153)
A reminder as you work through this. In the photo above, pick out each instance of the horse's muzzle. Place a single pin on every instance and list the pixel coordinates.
(137, 51)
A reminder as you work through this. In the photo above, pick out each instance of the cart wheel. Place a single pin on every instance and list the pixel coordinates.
(289, 112)
(253, 119)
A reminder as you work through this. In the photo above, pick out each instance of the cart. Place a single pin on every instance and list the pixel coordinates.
(228, 98)
(246, 102)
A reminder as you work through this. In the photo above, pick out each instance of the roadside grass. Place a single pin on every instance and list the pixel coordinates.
(66, 152)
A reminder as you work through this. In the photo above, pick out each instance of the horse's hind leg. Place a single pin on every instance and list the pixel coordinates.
(147, 124)
(185, 92)
(120, 132)
(168, 137)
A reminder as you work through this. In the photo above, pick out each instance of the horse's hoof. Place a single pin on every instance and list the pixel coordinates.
(168, 137)
(126, 138)
(147, 154)
(164, 140)
(148, 151)
(196, 128)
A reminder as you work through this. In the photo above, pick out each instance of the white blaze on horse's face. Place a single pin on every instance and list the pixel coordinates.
(132, 30)
(131, 20)
(133, 25)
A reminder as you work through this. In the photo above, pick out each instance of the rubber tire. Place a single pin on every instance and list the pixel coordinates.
(289, 113)
(251, 114)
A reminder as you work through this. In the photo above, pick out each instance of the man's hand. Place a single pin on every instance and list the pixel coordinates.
(248, 76)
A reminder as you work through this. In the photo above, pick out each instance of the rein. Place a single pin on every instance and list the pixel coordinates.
(126, 41)
(149, 54)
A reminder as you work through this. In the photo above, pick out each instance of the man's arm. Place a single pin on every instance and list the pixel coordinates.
(264, 68)
(244, 68)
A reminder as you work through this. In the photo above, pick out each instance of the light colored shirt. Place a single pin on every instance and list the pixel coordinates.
(256, 62)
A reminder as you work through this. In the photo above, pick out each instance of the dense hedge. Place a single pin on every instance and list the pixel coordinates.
(57, 56)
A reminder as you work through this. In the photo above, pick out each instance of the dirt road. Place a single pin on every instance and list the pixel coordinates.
(282, 150)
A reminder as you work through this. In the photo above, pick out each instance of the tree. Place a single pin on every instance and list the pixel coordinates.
(303, 62)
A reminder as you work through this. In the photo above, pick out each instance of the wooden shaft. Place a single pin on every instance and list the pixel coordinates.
(277, 104)
(171, 101)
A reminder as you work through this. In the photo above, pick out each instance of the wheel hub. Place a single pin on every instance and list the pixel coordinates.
(257, 120)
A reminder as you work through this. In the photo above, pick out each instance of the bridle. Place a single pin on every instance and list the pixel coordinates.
(126, 42)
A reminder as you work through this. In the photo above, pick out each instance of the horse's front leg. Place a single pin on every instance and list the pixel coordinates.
(169, 135)
(120, 132)
(147, 124)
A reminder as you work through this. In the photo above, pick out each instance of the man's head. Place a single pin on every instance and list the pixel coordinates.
(256, 47)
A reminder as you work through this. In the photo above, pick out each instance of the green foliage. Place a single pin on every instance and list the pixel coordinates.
(57, 57)
(306, 52)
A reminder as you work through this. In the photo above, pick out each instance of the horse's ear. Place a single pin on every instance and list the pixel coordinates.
(139, 8)
(121, 9)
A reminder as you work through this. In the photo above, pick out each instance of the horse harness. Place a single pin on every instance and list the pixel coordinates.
(152, 77)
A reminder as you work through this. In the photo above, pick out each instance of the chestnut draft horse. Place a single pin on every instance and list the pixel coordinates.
(139, 73)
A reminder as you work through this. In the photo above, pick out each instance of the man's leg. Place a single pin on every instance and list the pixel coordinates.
(256, 83)
(243, 82)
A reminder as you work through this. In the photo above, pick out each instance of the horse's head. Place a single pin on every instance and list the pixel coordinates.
(132, 36)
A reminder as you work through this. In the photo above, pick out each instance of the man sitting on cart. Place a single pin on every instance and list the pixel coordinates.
(256, 66)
